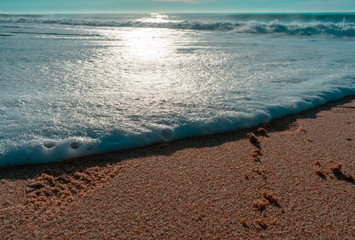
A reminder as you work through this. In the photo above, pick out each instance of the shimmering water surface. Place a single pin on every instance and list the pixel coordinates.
(73, 85)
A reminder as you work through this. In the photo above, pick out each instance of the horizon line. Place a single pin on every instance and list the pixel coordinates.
(168, 12)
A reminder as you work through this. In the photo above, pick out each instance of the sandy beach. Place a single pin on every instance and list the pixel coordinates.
(292, 178)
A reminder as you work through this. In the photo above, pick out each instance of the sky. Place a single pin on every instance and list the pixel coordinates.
(137, 6)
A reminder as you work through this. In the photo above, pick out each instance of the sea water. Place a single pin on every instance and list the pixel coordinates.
(73, 85)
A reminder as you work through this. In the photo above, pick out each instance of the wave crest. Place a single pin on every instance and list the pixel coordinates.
(340, 29)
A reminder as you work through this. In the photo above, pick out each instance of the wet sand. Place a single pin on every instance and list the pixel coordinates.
(296, 180)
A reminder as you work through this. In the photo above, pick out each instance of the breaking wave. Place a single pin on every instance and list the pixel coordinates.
(334, 29)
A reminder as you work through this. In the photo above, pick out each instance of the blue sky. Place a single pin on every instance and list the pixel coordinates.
(120, 6)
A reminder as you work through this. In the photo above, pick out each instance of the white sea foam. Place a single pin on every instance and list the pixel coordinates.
(327, 25)
(52, 151)
(69, 89)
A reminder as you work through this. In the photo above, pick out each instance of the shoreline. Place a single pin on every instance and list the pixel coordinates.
(169, 143)
(172, 142)
(296, 181)
(71, 148)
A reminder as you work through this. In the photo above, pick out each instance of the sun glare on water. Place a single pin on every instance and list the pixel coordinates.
(148, 43)
(155, 18)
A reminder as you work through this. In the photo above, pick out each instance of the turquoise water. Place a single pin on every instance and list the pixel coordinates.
(72, 85)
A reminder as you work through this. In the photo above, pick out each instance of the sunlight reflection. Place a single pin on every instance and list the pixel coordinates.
(155, 18)
(148, 43)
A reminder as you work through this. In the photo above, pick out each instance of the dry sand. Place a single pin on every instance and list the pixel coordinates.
(295, 181)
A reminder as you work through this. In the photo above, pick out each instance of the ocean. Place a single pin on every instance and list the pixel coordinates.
(74, 85)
